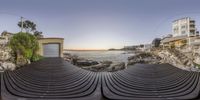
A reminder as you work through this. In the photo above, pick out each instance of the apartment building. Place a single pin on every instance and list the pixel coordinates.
(184, 32)
(184, 26)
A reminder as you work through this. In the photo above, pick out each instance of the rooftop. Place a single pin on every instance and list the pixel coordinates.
(181, 19)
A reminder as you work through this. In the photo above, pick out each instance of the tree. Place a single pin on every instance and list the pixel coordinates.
(38, 34)
(156, 42)
(24, 44)
(28, 25)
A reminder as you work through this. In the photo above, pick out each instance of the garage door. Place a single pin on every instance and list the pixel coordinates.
(51, 50)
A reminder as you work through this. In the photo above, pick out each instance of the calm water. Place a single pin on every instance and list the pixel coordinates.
(115, 56)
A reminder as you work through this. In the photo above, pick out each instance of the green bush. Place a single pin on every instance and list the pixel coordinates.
(36, 58)
(197, 65)
(26, 45)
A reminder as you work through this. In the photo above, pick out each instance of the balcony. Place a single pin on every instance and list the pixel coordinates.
(192, 22)
(192, 27)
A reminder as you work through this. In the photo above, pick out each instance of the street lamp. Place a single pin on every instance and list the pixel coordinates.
(22, 24)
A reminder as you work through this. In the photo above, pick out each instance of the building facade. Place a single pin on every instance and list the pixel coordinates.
(48, 47)
(184, 26)
(184, 32)
(51, 47)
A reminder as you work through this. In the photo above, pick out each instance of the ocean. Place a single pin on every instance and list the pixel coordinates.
(114, 56)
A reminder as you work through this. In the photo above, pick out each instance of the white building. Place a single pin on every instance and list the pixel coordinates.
(184, 27)
(184, 32)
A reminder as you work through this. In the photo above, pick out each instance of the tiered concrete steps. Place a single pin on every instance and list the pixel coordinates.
(55, 79)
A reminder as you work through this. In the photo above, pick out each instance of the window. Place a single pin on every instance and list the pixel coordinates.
(183, 32)
(183, 27)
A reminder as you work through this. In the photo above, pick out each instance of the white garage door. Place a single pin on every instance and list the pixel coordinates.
(51, 50)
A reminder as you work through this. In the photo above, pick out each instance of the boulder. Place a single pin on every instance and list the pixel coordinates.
(116, 67)
(86, 62)
(144, 58)
(98, 68)
(182, 58)
(197, 60)
(4, 55)
(140, 56)
(196, 57)
(7, 66)
(67, 57)
(21, 61)
(108, 63)
(132, 62)
(102, 66)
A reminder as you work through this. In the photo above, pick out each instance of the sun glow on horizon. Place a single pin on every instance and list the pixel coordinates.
(86, 49)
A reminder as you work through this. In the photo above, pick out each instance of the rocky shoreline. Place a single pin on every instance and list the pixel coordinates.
(144, 58)
(189, 60)
(92, 65)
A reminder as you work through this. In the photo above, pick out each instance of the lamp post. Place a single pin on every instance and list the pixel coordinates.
(22, 24)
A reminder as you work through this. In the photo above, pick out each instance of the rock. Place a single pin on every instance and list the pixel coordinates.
(21, 61)
(86, 62)
(86, 67)
(106, 62)
(107, 66)
(132, 62)
(116, 67)
(6, 58)
(28, 61)
(7, 66)
(144, 58)
(102, 66)
(140, 56)
(98, 68)
(181, 58)
(67, 57)
(197, 58)
(4, 55)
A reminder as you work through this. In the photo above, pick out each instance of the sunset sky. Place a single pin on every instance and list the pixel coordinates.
(99, 24)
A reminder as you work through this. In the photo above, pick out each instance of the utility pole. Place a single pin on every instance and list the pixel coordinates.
(22, 24)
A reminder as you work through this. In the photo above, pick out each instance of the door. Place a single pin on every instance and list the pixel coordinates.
(51, 50)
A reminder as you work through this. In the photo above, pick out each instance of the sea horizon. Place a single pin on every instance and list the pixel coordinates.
(102, 55)
(90, 50)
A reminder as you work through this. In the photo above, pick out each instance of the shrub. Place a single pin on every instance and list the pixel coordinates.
(24, 44)
(36, 58)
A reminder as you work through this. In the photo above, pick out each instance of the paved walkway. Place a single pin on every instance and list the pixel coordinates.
(55, 79)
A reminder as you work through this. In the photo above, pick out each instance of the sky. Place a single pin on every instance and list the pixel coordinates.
(99, 24)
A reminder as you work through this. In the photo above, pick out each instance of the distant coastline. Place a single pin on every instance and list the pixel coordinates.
(83, 50)
(93, 50)
(126, 48)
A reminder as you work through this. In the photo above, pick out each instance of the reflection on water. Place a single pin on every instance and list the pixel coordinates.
(115, 56)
